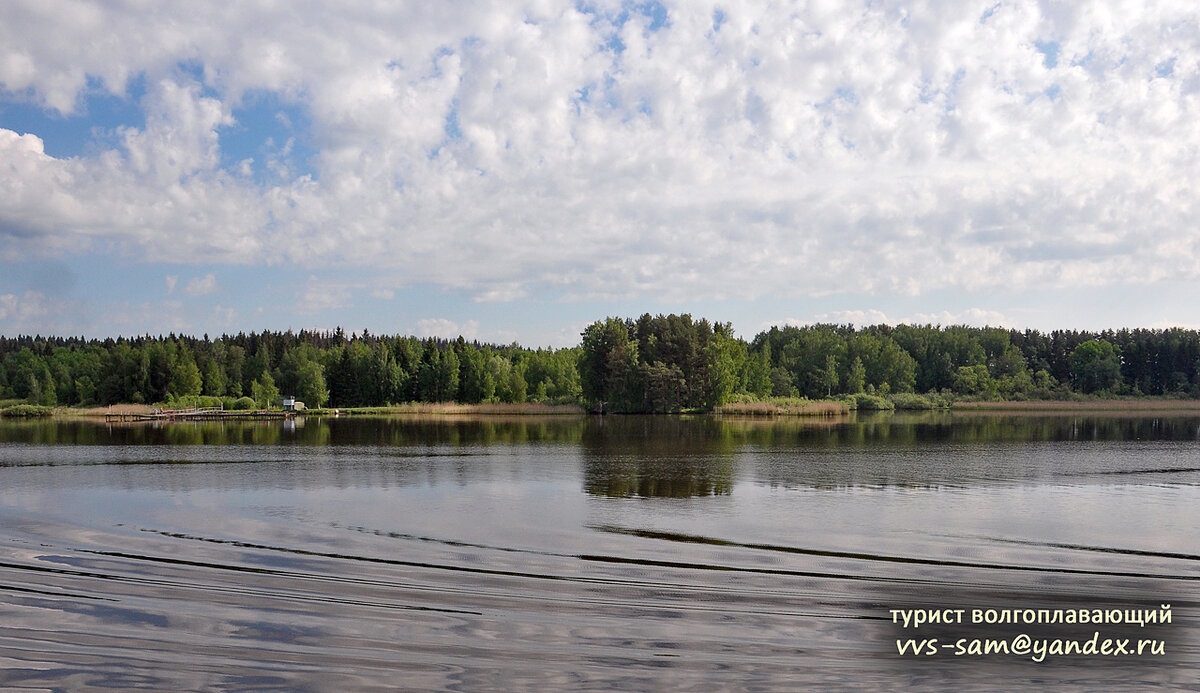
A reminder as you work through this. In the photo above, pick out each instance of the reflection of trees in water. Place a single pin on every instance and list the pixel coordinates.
(433, 431)
(677, 477)
(454, 431)
(909, 428)
(651, 456)
(663, 456)
(657, 435)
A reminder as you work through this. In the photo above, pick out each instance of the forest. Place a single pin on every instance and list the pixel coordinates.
(663, 363)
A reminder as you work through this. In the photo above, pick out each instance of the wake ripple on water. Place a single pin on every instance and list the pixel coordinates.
(160, 609)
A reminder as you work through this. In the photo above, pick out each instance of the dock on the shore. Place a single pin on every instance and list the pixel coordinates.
(200, 414)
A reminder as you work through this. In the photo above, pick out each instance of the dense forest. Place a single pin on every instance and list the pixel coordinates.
(321, 369)
(651, 364)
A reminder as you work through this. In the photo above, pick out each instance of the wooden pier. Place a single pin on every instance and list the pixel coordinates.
(201, 414)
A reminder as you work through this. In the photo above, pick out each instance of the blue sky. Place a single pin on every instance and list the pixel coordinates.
(513, 171)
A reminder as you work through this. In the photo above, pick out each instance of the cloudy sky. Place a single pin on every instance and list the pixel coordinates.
(514, 170)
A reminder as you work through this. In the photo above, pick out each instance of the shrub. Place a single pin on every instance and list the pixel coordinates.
(742, 398)
(26, 410)
(192, 402)
(782, 406)
(865, 402)
(243, 404)
(908, 400)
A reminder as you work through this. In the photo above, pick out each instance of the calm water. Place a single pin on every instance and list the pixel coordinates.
(631, 553)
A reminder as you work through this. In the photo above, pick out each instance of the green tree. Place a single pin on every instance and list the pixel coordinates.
(310, 384)
(302, 375)
(663, 387)
(805, 351)
(829, 375)
(475, 380)
(235, 360)
(263, 391)
(215, 383)
(27, 375)
(781, 383)
(608, 366)
(885, 362)
(1095, 366)
(974, 380)
(727, 362)
(185, 378)
(437, 378)
(756, 372)
(518, 388)
(856, 379)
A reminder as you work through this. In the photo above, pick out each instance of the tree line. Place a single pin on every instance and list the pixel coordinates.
(657, 363)
(669, 363)
(318, 368)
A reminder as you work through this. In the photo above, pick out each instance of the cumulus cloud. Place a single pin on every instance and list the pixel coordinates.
(447, 329)
(20, 307)
(1173, 324)
(224, 315)
(977, 317)
(145, 317)
(200, 286)
(33, 312)
(322, 296)
(744, 149)
(499, 293)
(854, 317)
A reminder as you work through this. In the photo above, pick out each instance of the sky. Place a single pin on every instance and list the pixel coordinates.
(512, 171)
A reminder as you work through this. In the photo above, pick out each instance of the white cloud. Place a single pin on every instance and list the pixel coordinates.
(172, 280)
(321, 296)
(976, 317)
(567, 336)
(145, 317)
(877, 147)
(447, 329)
(501, 293)
(224, 315)
(860, 318)
(33, 312)
(200, 286)
(15, 308)
(1170, 324)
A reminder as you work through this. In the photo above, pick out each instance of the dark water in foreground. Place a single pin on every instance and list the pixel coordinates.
(631, 553)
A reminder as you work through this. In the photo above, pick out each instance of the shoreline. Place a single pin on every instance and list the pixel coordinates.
(424, 408)
(813, 409)
(1072, 406)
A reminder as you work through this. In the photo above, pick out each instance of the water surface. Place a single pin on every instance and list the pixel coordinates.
(632, 553)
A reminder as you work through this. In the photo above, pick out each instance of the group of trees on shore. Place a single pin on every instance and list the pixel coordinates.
(651, 364)
(667, 363)
(318, 368)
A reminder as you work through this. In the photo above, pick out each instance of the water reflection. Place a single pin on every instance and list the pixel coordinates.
(362, 430)
(673, 457)
(632, 456)
(650, 434)
(645, 553)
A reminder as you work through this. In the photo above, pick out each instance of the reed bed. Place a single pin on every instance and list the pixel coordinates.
(784, 407)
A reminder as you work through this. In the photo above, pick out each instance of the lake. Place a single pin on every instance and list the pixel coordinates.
(599, 553)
